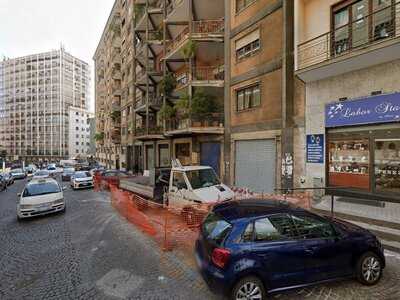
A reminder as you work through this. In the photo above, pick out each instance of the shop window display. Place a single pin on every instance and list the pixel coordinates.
(349, 163)
(387, 165)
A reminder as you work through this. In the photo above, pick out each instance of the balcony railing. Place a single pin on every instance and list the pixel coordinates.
(152, 130)
(381, 25)
(208, 26)
(207, 73)
(172, 5)
(215, 120)
(199, 28)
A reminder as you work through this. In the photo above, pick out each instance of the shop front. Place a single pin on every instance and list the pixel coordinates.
(363, 146)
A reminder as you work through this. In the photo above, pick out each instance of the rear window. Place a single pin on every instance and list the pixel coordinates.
(41, 189)
(215, 228)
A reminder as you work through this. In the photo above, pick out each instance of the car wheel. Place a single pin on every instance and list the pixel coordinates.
(369, 269)
(249, 288)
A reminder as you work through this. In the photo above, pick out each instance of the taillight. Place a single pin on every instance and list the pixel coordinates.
(220, 257)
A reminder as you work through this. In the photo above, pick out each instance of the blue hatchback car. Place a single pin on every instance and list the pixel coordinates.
(248, 249)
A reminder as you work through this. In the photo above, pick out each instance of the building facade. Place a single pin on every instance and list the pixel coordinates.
(208, 82)
(264, 102)
(36, 93)
(350, 63)
(79, 143)
(165, 96)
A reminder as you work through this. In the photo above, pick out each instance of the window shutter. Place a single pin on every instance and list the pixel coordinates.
(248, 39)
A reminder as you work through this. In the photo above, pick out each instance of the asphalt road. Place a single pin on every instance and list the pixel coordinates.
(90, 252)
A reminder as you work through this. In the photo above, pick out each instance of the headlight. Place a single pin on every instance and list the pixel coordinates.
(59, 201)
(25, 206)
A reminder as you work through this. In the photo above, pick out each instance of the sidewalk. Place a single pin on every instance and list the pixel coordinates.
(381, 218)
(380, 211)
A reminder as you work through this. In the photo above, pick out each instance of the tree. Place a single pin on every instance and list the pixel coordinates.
(99, 136)
(167, 112)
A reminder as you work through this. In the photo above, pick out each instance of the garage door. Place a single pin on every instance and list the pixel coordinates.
(255, 165)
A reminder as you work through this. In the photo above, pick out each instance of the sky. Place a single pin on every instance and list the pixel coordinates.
(35, 26)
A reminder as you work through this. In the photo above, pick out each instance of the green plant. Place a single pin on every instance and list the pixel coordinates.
(182, 105)
(139, 10)
(167, 112)
(168, 84)
(203, 104)
(115, 114)
(189, 49)
(99, 136)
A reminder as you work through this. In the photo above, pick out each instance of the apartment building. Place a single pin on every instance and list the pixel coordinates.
(348, 55)
(79, 142)
(166, 100)
(264, 102)
(36, 93)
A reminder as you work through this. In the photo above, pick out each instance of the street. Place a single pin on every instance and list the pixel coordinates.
(91, 252)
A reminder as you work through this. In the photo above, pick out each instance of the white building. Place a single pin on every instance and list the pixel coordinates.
(79, 143)
(36, 92)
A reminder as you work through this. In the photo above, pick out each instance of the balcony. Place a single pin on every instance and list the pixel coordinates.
(207, 31)
(212, 123)
(367, 41)
(155, 104)
(152, 132)
(202, 76)
(116, 136)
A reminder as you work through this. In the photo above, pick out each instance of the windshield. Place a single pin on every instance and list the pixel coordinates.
(41, 173)
(215, 228)
(202, 178)
(17, 171)
(44, 188)
(82, 174)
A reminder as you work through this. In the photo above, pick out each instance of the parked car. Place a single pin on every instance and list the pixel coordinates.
(67, 173)
(8, 177)
(41, 174)
(3, 182)
(113, 176)
(40, 197)
(81, 179)
(18, 173)
(30, 169)
(250, 248)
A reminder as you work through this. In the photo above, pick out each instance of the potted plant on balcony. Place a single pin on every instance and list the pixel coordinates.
(183, 108)
(203, 107)
(99, 137)
(115, 115)
(168, 84)
(167, 112)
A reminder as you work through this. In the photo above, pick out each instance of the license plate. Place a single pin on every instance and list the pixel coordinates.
(44, 207)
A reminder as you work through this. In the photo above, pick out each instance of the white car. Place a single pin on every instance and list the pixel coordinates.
(81, 179)
(41, 174)
(40, 197)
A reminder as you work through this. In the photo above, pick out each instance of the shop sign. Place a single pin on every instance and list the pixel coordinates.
(375, 109)
(315, 148)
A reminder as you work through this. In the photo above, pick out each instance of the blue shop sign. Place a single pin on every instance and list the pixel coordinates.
(315, 148)
(375, 109)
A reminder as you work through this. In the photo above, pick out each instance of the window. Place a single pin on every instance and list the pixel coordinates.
(164, 157)
(274, 228)
(359, 22)
(248, 97)
(310, 227)
(242, 4)
(215, 228)
(387, 165)
(248, 45)
(179, 181)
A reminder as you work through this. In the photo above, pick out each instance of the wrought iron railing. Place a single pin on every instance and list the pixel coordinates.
(196, 121)
(382, 24)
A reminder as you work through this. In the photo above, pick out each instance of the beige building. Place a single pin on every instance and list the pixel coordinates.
(36, 92)
(348, 55)
(264, 103)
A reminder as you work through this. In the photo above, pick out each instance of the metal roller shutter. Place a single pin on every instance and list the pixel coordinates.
(255, 162)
